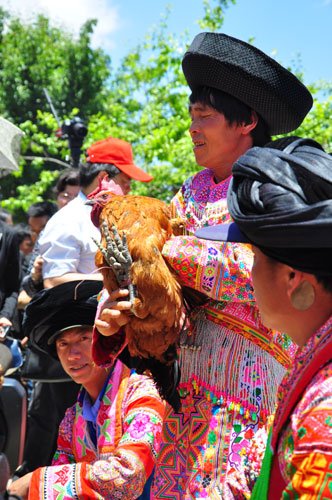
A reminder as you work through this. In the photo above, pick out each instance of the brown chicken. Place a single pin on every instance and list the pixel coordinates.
(156, 314)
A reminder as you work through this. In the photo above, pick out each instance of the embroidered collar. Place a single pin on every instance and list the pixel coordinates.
(90, 411)
(205, 188)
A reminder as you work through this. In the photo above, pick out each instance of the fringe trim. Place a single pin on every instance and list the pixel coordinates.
(227, 368)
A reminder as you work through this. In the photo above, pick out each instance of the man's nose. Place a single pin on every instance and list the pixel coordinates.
(74, 352)
(194, 127)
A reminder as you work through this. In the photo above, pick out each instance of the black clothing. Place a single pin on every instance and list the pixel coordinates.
(282, 201)
(47, 408)
(9, 270)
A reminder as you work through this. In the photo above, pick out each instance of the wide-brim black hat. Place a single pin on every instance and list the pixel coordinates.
(220, 61)
(54, 309)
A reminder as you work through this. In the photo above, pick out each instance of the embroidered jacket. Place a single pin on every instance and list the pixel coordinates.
(298, 460)
(128, 433)
(231, 366)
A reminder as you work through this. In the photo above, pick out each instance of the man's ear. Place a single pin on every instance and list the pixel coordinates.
(293, 278)
(247, 128)
(300, 290)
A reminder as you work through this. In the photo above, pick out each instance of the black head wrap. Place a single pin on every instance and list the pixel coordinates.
(66, 305)
(281, 199)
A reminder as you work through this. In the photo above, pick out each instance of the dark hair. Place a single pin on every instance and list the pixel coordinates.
(23, 231)
(325, 281)
(4, 214)
(234, 111)
(89, 172)
(68, 177)
(42, 209)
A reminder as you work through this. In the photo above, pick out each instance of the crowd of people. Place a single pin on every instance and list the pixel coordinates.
(253, 349)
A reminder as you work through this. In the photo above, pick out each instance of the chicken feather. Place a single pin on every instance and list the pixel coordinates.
(157, 310)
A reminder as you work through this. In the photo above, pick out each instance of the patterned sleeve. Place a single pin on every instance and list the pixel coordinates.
(123, 473)
(64, 454)
(312, 477)
(309, 465)
(221, 271)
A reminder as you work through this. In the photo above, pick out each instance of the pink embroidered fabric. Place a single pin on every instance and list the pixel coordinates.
(230, 364)
(129, 424)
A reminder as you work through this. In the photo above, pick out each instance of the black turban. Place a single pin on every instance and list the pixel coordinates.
(281, 199)
(67, 305)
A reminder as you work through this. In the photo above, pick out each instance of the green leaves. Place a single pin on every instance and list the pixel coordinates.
(144, 102)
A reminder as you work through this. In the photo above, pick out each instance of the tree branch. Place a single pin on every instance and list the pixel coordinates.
(47, 158)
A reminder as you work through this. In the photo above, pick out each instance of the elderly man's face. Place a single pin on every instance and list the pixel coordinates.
(214, 139)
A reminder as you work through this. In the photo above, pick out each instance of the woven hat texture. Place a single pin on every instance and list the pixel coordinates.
(220, 61)
(65, 305)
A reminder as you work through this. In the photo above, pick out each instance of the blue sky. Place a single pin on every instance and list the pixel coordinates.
(282, 28)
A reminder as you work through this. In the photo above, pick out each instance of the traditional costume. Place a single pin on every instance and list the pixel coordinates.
(230, 364)
(106, 450)
(120, 460)
(287, 214)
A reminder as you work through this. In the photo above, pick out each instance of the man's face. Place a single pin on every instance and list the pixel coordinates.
(123, 180)
(37, 224)
(74, 351)
(215, 141)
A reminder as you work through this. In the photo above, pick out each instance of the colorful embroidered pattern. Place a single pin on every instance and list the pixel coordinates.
(305, 446)
(129, 426)
(201, 202)
(230, 364)
(221, 271)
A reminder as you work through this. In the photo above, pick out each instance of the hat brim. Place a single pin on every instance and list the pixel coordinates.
(219, 61)
(223, 232)
(53, 337)
(135, 172)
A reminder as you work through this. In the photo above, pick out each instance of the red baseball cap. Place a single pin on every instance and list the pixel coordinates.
(119, 153)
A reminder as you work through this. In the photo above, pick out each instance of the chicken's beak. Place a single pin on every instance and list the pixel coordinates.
(90, 202)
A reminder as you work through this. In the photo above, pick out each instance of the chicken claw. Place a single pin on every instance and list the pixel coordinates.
(117, 256)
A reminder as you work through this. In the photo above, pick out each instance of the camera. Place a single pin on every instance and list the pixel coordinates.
(74, 130)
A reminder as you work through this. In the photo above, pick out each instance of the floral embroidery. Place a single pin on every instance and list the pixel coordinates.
(141, 426)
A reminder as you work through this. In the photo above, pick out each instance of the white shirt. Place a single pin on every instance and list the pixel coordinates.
(66, 244)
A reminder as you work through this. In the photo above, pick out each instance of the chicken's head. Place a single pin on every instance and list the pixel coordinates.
(101, 195)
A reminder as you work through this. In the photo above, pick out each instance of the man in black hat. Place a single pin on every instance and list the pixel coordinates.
(230, 364)
(108, 441)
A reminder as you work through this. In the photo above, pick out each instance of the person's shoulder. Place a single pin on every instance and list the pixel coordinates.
(5, 229)
(318, 394)
(66, 216)
(141, 385)
(8, 234)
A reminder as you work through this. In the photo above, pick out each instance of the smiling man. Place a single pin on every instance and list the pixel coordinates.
(230, 363)
(108, 441)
